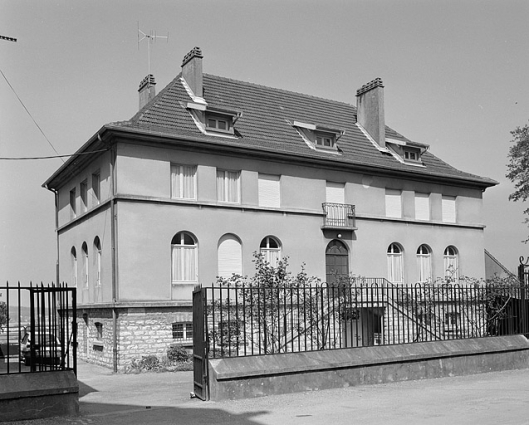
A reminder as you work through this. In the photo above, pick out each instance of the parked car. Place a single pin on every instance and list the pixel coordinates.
(47, 347)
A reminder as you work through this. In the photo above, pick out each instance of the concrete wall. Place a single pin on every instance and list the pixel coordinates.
(247, 377)
(38, 395)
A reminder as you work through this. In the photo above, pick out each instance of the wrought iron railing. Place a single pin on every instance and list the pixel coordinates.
(37, 328)
(246, 321)
(338, 215)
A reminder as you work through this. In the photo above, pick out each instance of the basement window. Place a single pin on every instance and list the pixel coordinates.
(182, 331)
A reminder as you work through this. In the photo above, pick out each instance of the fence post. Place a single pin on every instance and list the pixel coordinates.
(522, 278)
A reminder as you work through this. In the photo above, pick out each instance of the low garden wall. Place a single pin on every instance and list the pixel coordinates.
(38, 395)
(246, 377)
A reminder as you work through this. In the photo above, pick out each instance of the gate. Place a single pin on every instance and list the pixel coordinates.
(53, 330)
(523, 277)
(200, 358)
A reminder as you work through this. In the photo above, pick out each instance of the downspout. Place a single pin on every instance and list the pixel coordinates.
(57, 233)
(114, 253)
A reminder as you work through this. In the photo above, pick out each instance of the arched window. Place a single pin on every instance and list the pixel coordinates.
(451, 263)
(184, 258)
(73, 253)
(85, 265)
(229, 256)
(424, 263)
(97, 258)
(336, 261)
(395, 270)
(270, 248)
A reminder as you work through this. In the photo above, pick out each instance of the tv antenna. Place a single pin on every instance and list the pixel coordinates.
(151, 38)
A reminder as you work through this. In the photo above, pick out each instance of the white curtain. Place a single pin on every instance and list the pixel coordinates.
(183, 181)
(395, 274)
(184, 263)
(228, 186)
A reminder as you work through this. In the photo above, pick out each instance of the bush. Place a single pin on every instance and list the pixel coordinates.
(177, 353)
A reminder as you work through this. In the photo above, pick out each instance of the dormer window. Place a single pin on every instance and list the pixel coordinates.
(213, 121)
(218, 123)
(324, 140)
(411, 155)
(318, 137)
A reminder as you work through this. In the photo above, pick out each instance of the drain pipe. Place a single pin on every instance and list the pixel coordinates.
(114, 266)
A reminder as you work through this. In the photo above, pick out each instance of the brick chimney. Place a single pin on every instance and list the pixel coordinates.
(192, 71)
(147, 90)
(370, 110)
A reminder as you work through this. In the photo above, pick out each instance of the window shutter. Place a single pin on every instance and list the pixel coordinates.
(335, 193)
(269, 192)
(449, 209)
(422, 206)
(393, 203)
(229, 256)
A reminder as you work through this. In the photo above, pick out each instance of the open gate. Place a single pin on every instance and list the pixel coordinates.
(200, 358)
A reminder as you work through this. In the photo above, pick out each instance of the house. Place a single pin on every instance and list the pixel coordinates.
(211, 170)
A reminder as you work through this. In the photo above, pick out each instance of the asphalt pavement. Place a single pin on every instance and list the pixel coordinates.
(499, 398)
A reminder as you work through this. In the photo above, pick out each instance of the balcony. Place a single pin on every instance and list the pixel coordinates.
(338, 216)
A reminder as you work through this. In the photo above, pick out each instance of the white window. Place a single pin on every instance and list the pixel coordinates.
(424, 263)
(73, 253)
(183, 182)
(85, 265)
(84, 196)
(269, 191)
(182, 331)
(411, 155)
(73, 210)
(228, 186)
(96, 189)
(451, 263)
(324, 140)
(393, 203)
(218, 123)
(422, 206)
(229, 256)
(449, 209)
(270, 248)
(97, 257)
(184, 258)
(395, 270)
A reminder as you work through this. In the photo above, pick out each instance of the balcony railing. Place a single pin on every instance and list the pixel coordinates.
(340, 216)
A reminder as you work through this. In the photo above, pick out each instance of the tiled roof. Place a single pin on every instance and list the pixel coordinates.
(266, 125)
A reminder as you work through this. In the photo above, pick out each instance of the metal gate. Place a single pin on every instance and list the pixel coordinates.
(523, 277)
(200, 358)
(53, 328)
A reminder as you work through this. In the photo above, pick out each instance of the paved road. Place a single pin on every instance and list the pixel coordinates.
(493, 398)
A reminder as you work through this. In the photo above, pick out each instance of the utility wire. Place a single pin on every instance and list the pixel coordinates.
(22, 103)
(50, 157)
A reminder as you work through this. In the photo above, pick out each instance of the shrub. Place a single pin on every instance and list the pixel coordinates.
(177, 353)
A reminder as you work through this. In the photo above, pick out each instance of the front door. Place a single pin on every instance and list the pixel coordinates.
(336, 261)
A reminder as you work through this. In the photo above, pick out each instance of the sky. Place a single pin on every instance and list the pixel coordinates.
(455, 77)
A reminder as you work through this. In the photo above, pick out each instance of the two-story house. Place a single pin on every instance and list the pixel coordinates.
(211, 170)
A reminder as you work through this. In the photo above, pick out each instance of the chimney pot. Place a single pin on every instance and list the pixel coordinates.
(370, 110)
(192, 71)
(147, 90)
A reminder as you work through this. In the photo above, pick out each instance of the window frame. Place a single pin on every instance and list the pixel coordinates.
(179, 177)
(323, 136)
(218, 117)
(225, 189)
(186, 331)
(83, 194)
(395, 259)
(424, 263)
(449, 260)
(179, 259)
(96, 188)
(268, 252)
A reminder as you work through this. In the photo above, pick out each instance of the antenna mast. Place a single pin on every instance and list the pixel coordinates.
(151, 38)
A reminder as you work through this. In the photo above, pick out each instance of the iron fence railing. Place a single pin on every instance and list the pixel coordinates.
(338, 215)
(250, 320)
(37, 328)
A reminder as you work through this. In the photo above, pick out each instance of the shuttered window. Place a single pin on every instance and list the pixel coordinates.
(393, 203)
(229, 256)
(422, 206)
(269, 191)
(183, 182)
(335, 193)
(449, 209)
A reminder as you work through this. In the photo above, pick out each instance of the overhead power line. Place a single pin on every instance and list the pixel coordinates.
(49, 157)
(3, 37)
(33, 119)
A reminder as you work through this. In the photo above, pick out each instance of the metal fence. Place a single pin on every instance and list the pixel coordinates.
(246, 321)
(38, 329)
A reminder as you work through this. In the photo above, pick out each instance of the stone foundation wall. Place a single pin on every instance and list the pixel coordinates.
(141, 332)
